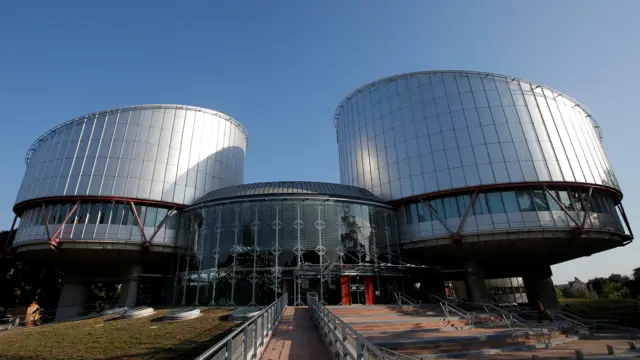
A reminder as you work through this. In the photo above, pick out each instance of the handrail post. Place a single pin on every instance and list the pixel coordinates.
(245, 343)
(229, 349)
(359, 349)
(256, 343)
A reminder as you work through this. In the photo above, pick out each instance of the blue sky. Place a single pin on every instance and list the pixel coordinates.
(281, 67)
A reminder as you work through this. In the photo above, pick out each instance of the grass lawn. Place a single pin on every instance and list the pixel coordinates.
(113, 338)
(627, 311)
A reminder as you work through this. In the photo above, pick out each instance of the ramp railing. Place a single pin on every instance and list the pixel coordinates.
(343, 340)
(248, 341)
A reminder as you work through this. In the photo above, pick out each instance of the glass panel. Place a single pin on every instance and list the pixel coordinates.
(525, 201)
(565, 200)
(539, 200)
(495, 203)
(480, 206)
(578, 202)
(553, 206)
(450, 208)
(411, 213)
(105, 214)
(423, 214)
(463, 203)
(438, 207)
(150, 217)
(510, 202)
(81, 214)
(172, 222)
(116, 218)
(94, 213)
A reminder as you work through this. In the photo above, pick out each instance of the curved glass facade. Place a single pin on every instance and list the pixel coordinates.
(168, 153)
(521, 208)
(98, 221)
(433, 131)
(245, 252)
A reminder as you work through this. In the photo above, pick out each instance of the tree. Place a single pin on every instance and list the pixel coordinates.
(22, 282)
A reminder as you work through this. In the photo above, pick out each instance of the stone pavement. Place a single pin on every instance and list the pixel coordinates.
(296, 337)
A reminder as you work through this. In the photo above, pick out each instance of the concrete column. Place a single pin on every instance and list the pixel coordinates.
(129, 287)
(476, 288)
(73, 298)
(539, 286)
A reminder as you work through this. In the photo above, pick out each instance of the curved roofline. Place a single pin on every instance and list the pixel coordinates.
(336, 113)
(227, 198)
(35, 144)
(285, 196)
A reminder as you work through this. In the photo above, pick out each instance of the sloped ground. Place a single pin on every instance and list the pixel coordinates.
(113, 338)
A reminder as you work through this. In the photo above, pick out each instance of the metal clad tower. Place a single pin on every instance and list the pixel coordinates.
(487, 172)
(104, 189)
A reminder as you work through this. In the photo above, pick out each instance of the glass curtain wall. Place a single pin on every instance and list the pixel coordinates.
(247, 253)
(517, 208)
(507, 290)
(97, 221)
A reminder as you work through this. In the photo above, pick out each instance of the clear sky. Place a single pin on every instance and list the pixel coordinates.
(281, 67)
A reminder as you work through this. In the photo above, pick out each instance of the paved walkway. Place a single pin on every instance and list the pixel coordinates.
(296, 337)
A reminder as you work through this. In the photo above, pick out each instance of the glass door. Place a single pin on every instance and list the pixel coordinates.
(357, 290)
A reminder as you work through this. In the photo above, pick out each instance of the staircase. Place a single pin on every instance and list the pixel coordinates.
(425, 331)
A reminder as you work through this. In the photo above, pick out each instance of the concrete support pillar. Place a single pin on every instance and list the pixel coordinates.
(73, 298)
(129, 287)
(476, 288)
(539, 286)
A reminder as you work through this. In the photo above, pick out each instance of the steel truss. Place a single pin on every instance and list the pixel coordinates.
(53, 239)
(576, 231)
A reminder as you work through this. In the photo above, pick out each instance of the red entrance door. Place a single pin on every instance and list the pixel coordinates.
(345, 290)
(368, 288)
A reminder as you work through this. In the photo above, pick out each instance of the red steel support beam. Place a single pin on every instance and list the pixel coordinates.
(562, 207)
(625, 219)
(46, 221)
(145, 242)
(159, 227)
(466, 212)
(427, 204)
(586, 208)
(503, 186)
(53, 240)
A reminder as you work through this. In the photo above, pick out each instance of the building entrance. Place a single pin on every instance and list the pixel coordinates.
(357, 290)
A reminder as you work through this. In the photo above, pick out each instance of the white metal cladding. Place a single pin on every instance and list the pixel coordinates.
(169, 153)
(431, 131)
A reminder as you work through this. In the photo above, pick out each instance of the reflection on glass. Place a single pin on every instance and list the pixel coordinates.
(519, 201)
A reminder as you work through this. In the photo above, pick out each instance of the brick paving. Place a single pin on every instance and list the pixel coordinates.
(296, 338)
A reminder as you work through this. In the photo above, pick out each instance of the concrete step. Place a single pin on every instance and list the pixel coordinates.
(461, 347)
(465, 342)
(404, 326)
(414, 332)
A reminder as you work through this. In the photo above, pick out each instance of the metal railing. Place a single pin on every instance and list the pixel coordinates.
(402, 297)
(344, 341)
(546, 338)
(448, 308)
(248, 340)
(580, 322)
